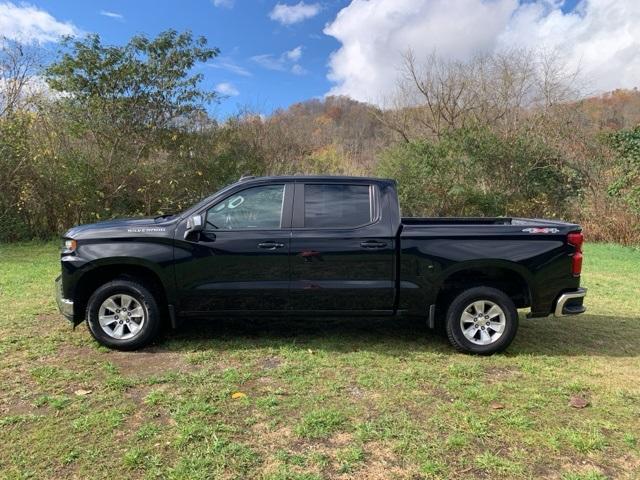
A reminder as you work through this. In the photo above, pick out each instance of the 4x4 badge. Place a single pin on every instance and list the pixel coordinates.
(540, 230)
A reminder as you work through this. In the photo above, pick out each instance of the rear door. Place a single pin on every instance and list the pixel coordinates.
(342, 253)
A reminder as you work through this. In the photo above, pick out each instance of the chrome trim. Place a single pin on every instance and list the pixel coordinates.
(565, 297)
(64, 305)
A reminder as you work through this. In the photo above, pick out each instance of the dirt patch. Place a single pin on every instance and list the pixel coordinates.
(264, 385)
(138, 393)
(577, 467)
(132, 423)
(439, 393)
(10, 407)
(355, 391)
(68, 354)
(501, 374)
(267, 432)
(627, 463)
(18, 392)
(269, 363)
(340, 439)
(380, 464)
(271, 438)
(149, 363)
(45, 320)
(626, 466)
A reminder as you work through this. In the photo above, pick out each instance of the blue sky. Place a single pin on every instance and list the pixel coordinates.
(278, 52)
(242, 30)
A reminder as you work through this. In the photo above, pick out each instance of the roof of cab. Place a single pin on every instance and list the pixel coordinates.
(315, 178)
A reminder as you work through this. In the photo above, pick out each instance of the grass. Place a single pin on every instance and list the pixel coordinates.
(356, 398)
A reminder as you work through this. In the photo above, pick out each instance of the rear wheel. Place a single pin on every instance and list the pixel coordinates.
(123, 314)
(481, 320)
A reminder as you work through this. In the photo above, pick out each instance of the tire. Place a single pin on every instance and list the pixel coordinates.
(123, 315)
(485, 334)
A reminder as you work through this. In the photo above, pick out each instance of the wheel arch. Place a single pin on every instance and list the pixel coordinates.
(99, 274)
(512, 279)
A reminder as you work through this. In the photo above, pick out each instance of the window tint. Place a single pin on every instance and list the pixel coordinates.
(336, 205)
(257, 208)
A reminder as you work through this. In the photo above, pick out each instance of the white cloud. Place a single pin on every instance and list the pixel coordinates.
(290, 14)
(226, 88)
(29, 24)
(602, 37)
(107, 13)
(224, 3)
(269, 61)
(286, 61)
(294, 54)
(298, 70)
(224, 63)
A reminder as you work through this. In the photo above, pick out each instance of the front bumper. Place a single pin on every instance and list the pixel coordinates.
(570, 303)
(64, 305)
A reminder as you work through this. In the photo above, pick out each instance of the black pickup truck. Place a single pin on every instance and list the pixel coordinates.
(318, 246)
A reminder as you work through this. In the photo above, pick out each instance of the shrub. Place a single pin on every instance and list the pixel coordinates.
(478, 172)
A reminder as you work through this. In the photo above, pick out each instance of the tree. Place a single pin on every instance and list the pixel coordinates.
(146, 83)
(474, 171)
(498, 90)
(121, 103)
(626, 144)
(19, 65)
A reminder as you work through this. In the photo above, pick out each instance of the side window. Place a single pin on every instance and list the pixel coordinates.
(253, 208)
(336, 205)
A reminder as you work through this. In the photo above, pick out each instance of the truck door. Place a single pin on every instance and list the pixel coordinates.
(342, 253)
(240, 262)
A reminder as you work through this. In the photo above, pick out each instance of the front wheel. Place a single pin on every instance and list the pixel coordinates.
(123, 314)
(481, 320)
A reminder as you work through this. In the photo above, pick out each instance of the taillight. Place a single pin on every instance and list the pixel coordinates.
(576, 239)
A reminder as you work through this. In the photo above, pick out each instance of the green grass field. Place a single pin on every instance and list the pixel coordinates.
(345, 399)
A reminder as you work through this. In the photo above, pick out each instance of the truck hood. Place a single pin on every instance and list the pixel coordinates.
(120, 228)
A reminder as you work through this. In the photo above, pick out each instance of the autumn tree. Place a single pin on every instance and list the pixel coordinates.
(435, 95)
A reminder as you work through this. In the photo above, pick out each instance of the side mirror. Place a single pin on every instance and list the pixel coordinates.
(195, 224)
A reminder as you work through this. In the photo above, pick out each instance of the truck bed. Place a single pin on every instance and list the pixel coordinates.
(456, 221)
(478, 221)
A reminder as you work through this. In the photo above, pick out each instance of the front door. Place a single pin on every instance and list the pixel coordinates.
(240, 262)
(342, 254)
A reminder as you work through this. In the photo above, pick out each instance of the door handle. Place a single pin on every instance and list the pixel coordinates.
(270, 245)
(373, 244)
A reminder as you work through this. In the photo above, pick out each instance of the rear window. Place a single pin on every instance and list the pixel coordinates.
(336, 205)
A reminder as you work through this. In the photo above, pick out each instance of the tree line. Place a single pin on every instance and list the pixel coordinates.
(102, 131)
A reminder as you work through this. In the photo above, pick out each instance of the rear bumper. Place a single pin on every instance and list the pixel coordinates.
(64, 305)
(570, 303)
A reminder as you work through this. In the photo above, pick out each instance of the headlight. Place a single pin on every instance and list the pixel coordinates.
(70, 245)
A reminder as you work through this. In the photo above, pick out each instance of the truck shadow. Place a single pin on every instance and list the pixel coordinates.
(584, 335)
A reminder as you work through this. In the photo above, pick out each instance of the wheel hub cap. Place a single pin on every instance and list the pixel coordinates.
(121, 316)
(483, 322)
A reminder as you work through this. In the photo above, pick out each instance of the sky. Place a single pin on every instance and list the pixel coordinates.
(278, 52)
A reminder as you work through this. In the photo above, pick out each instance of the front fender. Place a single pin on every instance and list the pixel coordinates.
(90, 258)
